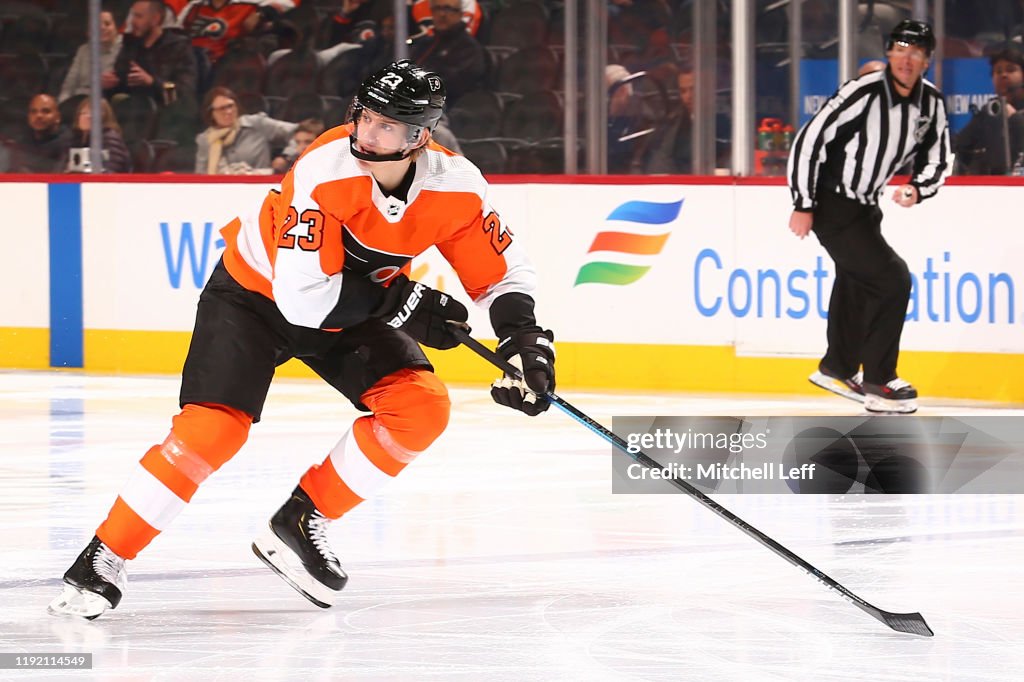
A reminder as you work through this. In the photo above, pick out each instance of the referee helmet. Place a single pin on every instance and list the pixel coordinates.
(911, 32)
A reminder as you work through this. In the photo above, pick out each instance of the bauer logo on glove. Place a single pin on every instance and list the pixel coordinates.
(415, 296)
(421, 312)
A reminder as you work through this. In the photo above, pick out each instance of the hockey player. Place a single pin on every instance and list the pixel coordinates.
(318, 272)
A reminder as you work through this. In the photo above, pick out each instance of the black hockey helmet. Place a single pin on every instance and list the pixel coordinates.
(912, 32)
(404, 92)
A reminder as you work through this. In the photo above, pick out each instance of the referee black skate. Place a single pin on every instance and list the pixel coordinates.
(842, 160)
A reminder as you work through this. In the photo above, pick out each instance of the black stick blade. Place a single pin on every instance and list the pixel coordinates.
(911, 623)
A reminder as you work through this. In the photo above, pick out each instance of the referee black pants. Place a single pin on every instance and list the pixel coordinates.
(870, 293)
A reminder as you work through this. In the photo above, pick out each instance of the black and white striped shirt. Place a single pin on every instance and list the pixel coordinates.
(863, 135)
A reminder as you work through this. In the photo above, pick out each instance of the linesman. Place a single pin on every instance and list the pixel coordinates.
(842, 160)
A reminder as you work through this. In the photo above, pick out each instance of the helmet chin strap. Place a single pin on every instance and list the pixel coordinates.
(366, 156)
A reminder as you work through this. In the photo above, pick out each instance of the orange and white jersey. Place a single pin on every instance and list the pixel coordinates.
(315, 246)
(212, 28)
(174, 8)
(471, 15)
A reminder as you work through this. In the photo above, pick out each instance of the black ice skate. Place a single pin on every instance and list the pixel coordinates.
(851, 387)
(296, 549)
(895, 397)
(94, 583)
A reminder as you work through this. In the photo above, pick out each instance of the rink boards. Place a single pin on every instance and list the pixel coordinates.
(648, 283)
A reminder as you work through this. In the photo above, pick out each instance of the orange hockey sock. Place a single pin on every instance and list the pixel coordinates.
(202, 439)
(410, 410)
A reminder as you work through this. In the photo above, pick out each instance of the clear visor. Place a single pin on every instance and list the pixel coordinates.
(378, 134)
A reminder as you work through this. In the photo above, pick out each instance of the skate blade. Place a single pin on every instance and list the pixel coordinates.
(75, 602)
(285, 563)
(878, 405)
(835, 386)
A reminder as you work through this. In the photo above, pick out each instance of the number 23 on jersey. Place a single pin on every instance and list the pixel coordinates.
(313, 220)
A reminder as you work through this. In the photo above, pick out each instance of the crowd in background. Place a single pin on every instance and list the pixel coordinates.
(239, 86)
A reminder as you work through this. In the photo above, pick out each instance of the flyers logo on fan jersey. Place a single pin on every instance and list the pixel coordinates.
(212, 28)
(331, 223)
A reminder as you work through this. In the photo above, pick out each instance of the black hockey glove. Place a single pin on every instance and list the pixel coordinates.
(532, 350)
(421, 312)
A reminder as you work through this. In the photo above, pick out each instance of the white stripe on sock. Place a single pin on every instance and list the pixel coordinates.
(152, 500)
(354, 468)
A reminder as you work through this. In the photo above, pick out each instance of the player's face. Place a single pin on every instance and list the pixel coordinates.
(376, 134)
(908, 63)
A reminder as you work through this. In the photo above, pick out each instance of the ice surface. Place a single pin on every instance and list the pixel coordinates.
(500, 554)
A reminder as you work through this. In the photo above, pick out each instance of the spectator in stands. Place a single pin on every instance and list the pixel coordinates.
(358, 25)
(116, 158)
(674, 151)
(383, 53)
(357, 22)
(234, 144)
(444, 136)
(152, 61)
(640, 23)
(160, 65)
(423, 18)
(993, 140)
(77, 80)
(628, 134)
(214, 24)
(307, 131)
(44, 148)
(451, 51)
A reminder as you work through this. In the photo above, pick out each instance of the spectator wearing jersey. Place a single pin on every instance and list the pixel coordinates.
(451, 51)
(423, 17)
(358, 25)
(212, 25)
(233, 143)
(116, 158)
(44, 147)
(79, 77)
(357, 22)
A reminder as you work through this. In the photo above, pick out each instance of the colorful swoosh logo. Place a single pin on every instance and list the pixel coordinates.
(625, 243)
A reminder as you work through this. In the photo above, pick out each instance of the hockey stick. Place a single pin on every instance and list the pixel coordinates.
(912, 623)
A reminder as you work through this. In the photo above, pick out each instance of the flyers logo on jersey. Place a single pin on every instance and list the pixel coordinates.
(411, 303)
(204, 27)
